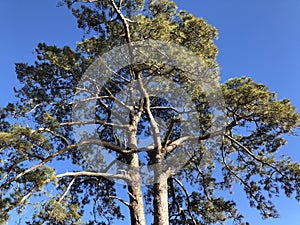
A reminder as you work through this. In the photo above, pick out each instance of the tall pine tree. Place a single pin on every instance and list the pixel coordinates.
(46, 168)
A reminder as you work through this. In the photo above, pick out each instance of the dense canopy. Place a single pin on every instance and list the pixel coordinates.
(44, 169)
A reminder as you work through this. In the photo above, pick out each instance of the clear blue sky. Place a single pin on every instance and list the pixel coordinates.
(258, 38)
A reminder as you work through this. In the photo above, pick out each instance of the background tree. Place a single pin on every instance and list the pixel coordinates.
(36, 133)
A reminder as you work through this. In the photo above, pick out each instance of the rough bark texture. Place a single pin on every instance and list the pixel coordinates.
(161, 212)
(137, 213)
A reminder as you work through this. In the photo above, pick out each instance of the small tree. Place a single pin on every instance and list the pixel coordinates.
(70, 116)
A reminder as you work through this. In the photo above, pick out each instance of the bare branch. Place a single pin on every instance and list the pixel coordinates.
(131, 195)
(120, 199)
(53, 133)
(165, 108)
(116, 99)
(153, 123)
(187, 198)
(124, 21)
(180, 210)
(67, 190)
(169, 132)
(62, 151)
(107, 145)
(11, 168)
(94, 174)
(113, 112)
(174, 144)
(88, 1)
(120, 4)
(49, 158)
(101, 122)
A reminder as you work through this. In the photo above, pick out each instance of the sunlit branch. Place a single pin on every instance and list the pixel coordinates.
(94, 174)
(124, 21)
(11, 168)
(101, 122)
(165, 108)
(153, 123)
(49, 158)
(116, 99)
(62, 151)
(120, 199)
(53, 133)
(67, 190)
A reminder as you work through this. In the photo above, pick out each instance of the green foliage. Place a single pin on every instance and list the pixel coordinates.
(36, 132)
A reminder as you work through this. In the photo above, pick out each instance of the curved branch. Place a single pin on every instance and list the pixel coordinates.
(180, 210)
(245, 184)
(187, 198)
(23, 199)
(254, 156)
(62, 151)
(120, 199)
(53, 133)
(49, 158)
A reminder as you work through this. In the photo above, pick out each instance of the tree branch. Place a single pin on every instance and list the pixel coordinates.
(49, 158)
(124, 21)
(187, 198)
(169, 132)
(153, 124)
(53, 133)
(67, 190)
(94, 174)
(245, 184)
(23, 199)
(101, 122)
(180, 210)
(62, 151)
(120, 199)
(254, 156)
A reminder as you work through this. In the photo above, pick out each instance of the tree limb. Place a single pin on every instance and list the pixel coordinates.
(180, 210)
(120, 199)
(187, 198)
(94, 174)
(67, 190)
(254, 156)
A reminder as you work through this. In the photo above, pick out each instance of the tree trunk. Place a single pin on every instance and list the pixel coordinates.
(137, 213)
(161, 210)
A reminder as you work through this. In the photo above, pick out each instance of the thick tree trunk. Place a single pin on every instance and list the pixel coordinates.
(137, 213)
(161, 211)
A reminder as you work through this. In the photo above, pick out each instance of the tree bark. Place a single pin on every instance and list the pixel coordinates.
(161, 210)
(136, 206)
(137, 213)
